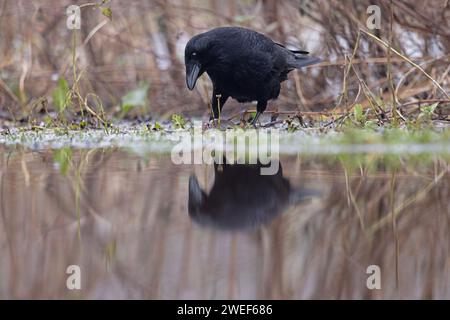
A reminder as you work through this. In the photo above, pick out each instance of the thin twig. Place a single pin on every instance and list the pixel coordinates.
(408, 60)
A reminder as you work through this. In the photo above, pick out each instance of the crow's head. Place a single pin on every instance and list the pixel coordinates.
(196, 58)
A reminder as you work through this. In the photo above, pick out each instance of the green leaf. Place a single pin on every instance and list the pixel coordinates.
(107, 12)
(63, 157)
(157, 126)
(60, 94)
(429, 110)
(358, 113)
(426, 113)
(135, 98)
(178, 121)
(370, 124)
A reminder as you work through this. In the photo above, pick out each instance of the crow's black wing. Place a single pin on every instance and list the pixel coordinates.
(284, 59)
(293, 51)
(253, 67)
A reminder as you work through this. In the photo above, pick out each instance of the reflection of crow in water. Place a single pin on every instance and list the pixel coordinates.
(241, 197)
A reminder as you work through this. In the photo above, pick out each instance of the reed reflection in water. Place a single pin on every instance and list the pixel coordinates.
(311, 231)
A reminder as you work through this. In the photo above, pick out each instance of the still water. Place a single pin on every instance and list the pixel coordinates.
(141, 227)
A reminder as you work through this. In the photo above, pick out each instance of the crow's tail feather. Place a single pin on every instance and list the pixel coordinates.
(293, 51)
(299, 58)
(303, 61)
(298, 51)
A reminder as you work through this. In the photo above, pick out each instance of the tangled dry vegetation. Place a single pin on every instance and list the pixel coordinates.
(126, 61)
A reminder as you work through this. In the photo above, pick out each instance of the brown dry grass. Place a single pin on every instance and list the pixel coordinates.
(144, 42)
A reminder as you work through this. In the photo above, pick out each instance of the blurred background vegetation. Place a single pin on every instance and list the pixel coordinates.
(129, 55)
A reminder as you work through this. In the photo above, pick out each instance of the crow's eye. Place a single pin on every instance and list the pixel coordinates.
(194, 54)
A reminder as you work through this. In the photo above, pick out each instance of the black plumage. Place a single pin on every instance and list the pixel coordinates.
(242, 64)
(241, 198)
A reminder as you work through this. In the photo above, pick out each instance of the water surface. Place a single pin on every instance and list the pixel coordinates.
(141, 227)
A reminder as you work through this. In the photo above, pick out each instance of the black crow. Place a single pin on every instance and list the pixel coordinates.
(241, 198)
(242, 64)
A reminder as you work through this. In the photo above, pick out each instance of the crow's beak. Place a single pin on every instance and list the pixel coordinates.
(192, 74)
(196, 196)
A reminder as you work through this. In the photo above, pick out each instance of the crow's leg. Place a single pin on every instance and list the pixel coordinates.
(255, 119)
(217, 102)
(260, 107)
